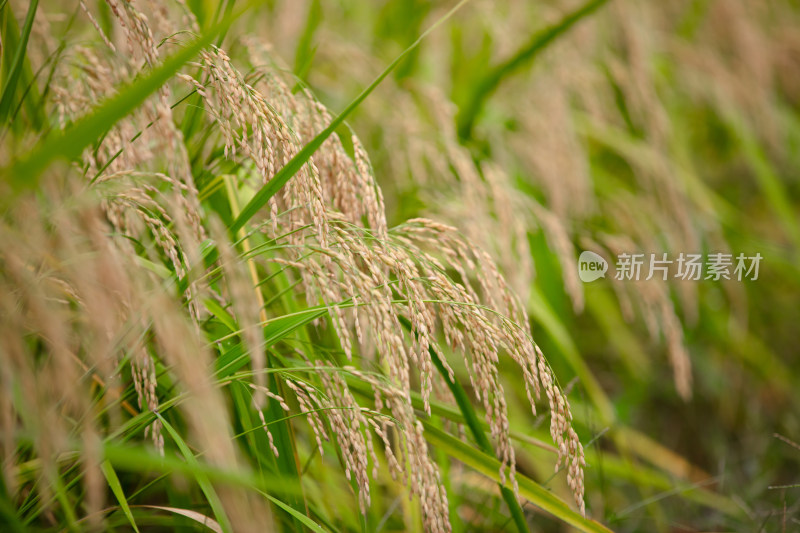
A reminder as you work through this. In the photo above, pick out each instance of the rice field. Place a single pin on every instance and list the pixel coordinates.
(294, 265)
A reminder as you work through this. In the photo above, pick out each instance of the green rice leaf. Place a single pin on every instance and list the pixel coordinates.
(225, 317)
(200, 518)
(9, 90)
(200, 476)
(306, 521)
(116, 488)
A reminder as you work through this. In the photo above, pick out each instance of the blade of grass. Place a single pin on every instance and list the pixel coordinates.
(200, 518)
(116, 488)
(62, 496)
(200, 476)
(242, 402)
(28, 91)
(305, 51)
(215, 309)
(539, 42)
(227, 13)
(288, 466)
(277, 329)
(306, 521)
(294, 165)
(16, 65)
(141, 460)
(8, 512)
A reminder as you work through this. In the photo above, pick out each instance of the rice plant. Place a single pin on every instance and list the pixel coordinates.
(344, 295)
